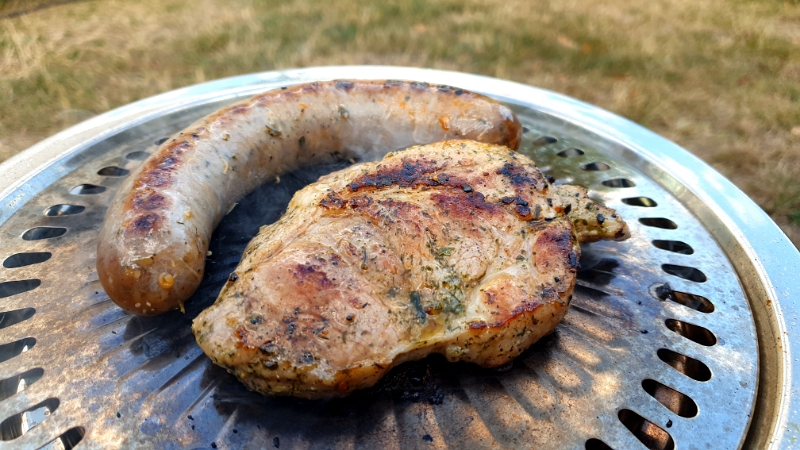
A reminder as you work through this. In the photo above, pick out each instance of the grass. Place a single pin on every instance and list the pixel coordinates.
(721, 78)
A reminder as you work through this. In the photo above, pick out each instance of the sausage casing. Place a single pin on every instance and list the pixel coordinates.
(153, 243)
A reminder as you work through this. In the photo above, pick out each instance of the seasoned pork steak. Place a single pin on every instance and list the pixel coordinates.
(458, 248)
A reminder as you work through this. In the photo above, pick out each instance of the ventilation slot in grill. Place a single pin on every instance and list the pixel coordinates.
(87, 189)
(63, 210)
(690, 367)
(12, 349)
(651, 435)
(597, 444)
(687, 273)
(137, 156)
(14, 317)
(658, 222)
(26, 259)
(19, 424)
(544, 140)
(677, 402)
(695, 302)
(19, 383)
(68, 440)
(9, 288)
(619, 183)
(595, 166)
(645, 202)
(113, 171)
(674, 246)
(570, 153)
(694, 333)
(39, 233)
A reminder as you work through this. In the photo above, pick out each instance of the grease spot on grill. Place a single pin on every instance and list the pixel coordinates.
(154, 346)
(651, 435)
(687, 273)
(9, 288)
(686, 365)
(87, 189)
(619, 183)
(113, 171)
(150, 427)
(25, 259)
(14, 426)
(570, 153)
(694, 333)
(658, 222)
(675, 401)
(18, 383)
(39, 233)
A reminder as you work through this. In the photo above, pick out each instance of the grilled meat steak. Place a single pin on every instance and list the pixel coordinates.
(457, 247)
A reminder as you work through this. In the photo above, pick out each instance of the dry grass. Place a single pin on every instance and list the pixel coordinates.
(721, 78)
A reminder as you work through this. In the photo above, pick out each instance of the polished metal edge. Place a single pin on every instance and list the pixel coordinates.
(766, 261)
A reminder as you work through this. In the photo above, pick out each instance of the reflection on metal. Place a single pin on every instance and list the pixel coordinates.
(613, 373)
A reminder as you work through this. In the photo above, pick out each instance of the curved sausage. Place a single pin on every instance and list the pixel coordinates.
(152, 246)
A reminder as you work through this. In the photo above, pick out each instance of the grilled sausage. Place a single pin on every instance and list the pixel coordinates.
(152, 246)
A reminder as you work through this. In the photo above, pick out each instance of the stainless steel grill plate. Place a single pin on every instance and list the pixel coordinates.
(670, 341)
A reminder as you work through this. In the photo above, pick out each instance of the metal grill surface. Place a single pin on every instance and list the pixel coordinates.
(658, 350)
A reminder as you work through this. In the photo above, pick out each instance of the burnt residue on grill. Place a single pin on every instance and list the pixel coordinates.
(413, 382)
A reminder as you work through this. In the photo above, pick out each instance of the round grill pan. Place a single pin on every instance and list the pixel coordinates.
(675, 338)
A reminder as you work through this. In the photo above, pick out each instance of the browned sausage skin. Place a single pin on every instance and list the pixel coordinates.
(152, 246)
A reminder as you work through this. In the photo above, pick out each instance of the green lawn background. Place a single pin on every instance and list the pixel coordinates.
(720, 78)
